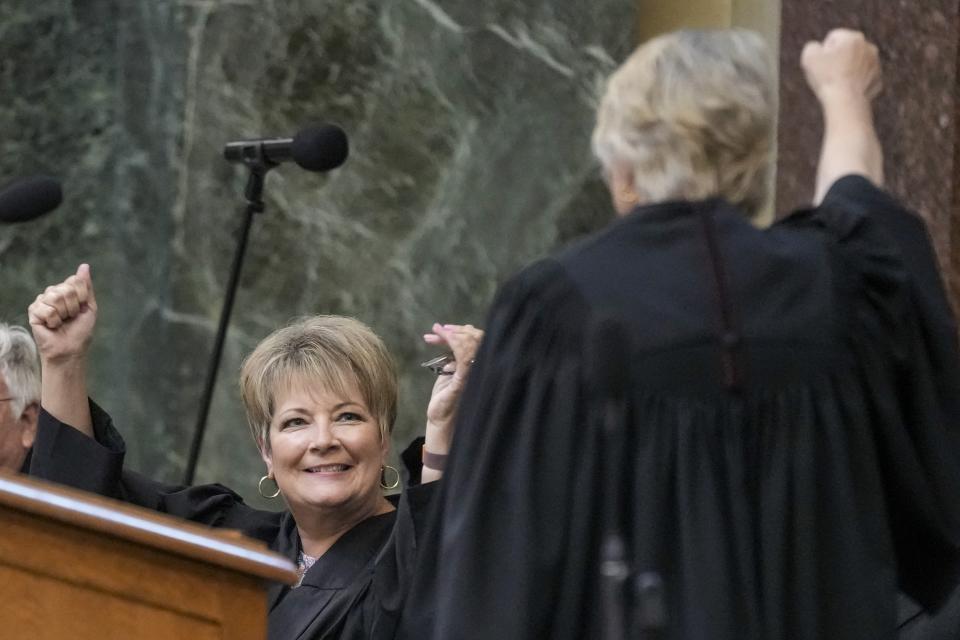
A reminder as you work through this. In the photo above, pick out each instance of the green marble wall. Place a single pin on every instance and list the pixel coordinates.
(469, 123)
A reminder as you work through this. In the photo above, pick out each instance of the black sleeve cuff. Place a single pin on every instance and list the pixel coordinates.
(64, 455)
(419, 501)
(857, 194)
(412, 462)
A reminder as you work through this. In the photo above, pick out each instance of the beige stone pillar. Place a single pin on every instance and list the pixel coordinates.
(658, 16)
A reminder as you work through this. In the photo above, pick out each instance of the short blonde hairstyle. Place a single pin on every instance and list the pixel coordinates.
(332, 352)
(19, 367)
(692, 112)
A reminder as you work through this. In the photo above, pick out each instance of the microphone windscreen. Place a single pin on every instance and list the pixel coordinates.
(320, 148)
(29, 198)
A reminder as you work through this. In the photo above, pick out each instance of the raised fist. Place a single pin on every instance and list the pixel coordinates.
(845, 64)
(63, 317)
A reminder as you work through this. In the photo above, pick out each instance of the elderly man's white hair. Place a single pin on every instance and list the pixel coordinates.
(19, 366)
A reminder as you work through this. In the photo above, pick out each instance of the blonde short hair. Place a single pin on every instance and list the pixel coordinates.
(692, 112)
(19, 366)
(332, 352)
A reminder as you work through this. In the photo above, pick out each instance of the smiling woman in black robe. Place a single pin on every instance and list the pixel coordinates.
(788, 458)
(321, 398)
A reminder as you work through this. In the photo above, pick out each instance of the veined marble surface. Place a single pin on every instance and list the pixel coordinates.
(469, 124)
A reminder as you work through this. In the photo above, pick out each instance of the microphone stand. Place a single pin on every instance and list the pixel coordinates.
(259, 166)
(610, 367)
(647, 618)
(614, 570)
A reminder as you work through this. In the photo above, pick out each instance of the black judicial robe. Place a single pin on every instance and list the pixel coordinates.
(790, 453)
(354, 590)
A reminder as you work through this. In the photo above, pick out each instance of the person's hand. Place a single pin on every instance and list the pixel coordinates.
(845, 65)
(63, 317)
(463, 341)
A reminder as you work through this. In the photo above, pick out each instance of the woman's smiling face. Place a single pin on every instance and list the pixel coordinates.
(325, 451)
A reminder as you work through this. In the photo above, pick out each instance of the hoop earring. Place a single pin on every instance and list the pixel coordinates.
(386, 485)
(260, 488)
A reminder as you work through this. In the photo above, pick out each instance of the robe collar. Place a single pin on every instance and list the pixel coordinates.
(336, 568)
(660, 212)
(352, 551)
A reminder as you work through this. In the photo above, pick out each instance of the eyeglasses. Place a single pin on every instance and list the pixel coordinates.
(437, 364)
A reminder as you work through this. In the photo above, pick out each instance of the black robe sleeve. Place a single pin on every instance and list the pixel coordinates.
(64, 455)
(523, 461)
(899, 310)
(928, 298)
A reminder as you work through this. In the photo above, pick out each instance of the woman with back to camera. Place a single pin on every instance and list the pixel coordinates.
(321, 400)
(789, 415)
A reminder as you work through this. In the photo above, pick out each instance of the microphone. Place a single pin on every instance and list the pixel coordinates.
(319, 148)
(29, 198)
(608, 363)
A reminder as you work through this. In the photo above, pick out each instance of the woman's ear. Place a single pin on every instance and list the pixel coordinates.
(266, 456)
(623, 192)
(385, 446)
(28, 423)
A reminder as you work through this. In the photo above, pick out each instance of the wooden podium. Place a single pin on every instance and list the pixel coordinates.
(81, 567)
